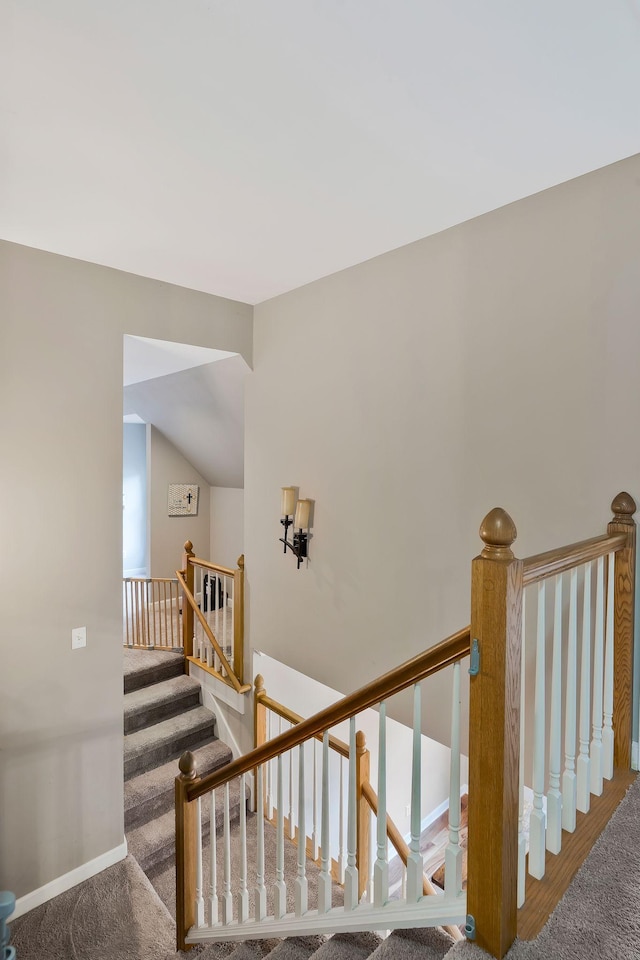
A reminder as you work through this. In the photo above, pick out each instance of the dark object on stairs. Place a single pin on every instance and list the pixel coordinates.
(212, 593)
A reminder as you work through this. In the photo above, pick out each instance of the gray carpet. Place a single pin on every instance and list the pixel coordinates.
(599, 916)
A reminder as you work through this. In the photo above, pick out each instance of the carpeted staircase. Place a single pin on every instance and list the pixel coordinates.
(163, 717)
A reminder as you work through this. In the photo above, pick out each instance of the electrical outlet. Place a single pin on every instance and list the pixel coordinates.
(78, 638)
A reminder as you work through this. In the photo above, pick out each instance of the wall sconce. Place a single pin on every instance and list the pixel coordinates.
(296, 514)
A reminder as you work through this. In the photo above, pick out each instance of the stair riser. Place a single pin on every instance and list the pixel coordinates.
(158, 754)
(154, 713)
(155, 806)
(160, 856)
(156, 674)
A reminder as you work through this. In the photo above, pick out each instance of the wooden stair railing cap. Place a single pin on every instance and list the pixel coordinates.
(623, 508)
(498, 532)
(187, 766)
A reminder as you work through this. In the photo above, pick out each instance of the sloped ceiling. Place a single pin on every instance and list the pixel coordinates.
(201, 411)
(245, 148)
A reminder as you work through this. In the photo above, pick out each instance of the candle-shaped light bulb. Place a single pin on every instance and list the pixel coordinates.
(288, 501)
(303, 509)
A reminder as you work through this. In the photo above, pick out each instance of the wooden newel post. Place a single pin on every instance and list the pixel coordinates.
(238, 620)
(187, 610)
(186, 842)
(363, 812)
(494, 736)
(623, 508)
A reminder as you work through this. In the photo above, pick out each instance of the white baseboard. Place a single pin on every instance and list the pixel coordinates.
(69, 880)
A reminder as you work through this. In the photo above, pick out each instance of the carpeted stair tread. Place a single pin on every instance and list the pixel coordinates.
(159, 701)
(144, 667)
(296, 948)
(425, 943)
(152, 793)
(348, 946)
(253, 949)
(154, 745)
(153, 843)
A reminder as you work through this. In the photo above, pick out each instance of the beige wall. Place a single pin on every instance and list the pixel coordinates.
(493, 364)
(227, 525)
(167, 535)
(61, 328)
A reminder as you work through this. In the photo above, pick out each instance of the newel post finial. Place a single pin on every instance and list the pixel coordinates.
(188, 548)
(498, 532)
(240, 562)
(187, 766)
(623, 508)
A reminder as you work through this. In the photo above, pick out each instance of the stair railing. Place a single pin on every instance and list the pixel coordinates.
(502, 644)
(196, 924)
(270, 715)
(213, 617)
(595, 728)
(151, 611)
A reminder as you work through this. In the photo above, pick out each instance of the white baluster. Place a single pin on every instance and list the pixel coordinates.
(381, 867)
(243, 895)
(372, 851)
(453, 853)
(598, 683)
(583, 767)
(607, 732)
(231, 602)
(415, 866)
(261, 890)
(522, 839)
(351, 871)
(342, 801)
(315, 842)
(213, 866)
(569, 775)
(227, 898)
(554, 797)
(301, 886)
(269, 772)
(324, 880)
(292, 828)
(199, 896)
(279, 887)
(225, 643)
(537, 819)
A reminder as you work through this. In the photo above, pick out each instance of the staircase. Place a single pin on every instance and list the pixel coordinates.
(163, 717)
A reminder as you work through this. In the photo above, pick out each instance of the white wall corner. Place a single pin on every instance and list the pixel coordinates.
(634, 755)
(68, 880)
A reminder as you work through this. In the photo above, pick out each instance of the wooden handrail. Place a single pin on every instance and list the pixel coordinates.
(235, 683)
(292, 717)
(443, 654)
(199, 562)
(553, 562)
(401, 848)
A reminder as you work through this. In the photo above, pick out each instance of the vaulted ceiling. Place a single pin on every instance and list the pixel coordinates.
(245, 147)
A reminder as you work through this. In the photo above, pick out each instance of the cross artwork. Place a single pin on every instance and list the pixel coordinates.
(183, 499)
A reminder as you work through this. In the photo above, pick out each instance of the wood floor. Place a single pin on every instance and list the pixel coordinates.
(542, 896)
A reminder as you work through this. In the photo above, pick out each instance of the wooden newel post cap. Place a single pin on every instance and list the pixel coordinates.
(241, 562)
(361, 741)
(188, 547)
(187, 766)
(259, 683)
(498, 532)
(623, 508)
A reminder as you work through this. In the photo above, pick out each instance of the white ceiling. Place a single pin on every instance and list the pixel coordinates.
(245, 147)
